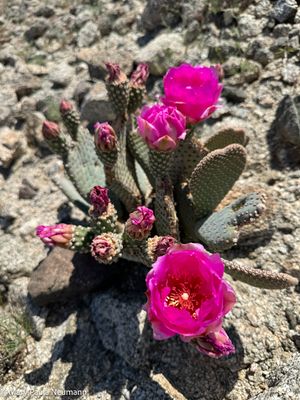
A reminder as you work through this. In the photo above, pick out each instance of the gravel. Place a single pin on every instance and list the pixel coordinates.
(101, 342)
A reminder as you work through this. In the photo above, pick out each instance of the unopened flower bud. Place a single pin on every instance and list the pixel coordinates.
(159, 246)
(140, 75)
(50, 130)
(215, 344)
(117, 88)
(140, 223)
(99, 199)
(115, 74)
(105, 137)
(106, 248)
(137, 88)
(65, 106)
(56, 235)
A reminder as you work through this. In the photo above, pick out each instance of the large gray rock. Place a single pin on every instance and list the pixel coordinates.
(17, 258)
(241, 70)
(287, 122)
(36, 30)
(122, 325)
(61, 74)
(284, 382)
(160, 13)
(18, 299)
(165, 50)
(45, 11)
(8, 101)
(285, 10)
(12, 146)
(65, 274)
(88, 34)
(284, 135)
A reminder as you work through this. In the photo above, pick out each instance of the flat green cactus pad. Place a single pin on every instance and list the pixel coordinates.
(225, 137)
(214, 176)
(82, 164)
(220, 231)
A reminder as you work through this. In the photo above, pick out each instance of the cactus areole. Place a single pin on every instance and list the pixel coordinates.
(150, 187)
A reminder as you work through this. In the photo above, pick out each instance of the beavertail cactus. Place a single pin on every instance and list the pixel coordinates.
(149, 186)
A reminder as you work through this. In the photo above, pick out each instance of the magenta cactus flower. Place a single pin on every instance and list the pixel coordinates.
(99, 199)
(105, 137)
(50, 130)
(193, 90)
(55, 235)
(161, 127)
(140, 223)
(188, 296)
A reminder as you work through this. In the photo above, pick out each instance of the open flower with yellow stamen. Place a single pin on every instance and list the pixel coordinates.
(187, 295)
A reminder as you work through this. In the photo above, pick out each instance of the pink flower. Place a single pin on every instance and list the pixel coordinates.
(140, 223)
(188, 296)
(99, 199)
(161, 127)
(195, 91)
(55, 235)
(105, 137)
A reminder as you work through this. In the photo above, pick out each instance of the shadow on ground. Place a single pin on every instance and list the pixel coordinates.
(96, 364)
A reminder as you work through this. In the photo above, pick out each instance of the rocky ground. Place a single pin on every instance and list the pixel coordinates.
(100, 343)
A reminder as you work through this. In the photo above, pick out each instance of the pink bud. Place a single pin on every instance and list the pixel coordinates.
(140, 223)
(99, 199)
(50, 130)
(55, 235)
(105, 248)
(215, 344)
(105, 137)
(65, 106)
(161, 126)
(115, 74)
(163, 244)
(140, 75)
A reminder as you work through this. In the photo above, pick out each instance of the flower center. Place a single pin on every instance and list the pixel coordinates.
(185, 297)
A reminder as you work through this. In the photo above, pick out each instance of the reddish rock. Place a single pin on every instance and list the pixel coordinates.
(64, 274)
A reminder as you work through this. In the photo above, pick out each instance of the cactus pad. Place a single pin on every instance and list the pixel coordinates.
(259, 278)
(214, 176)
(226, 136)
(220, 231)
(82, 164)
